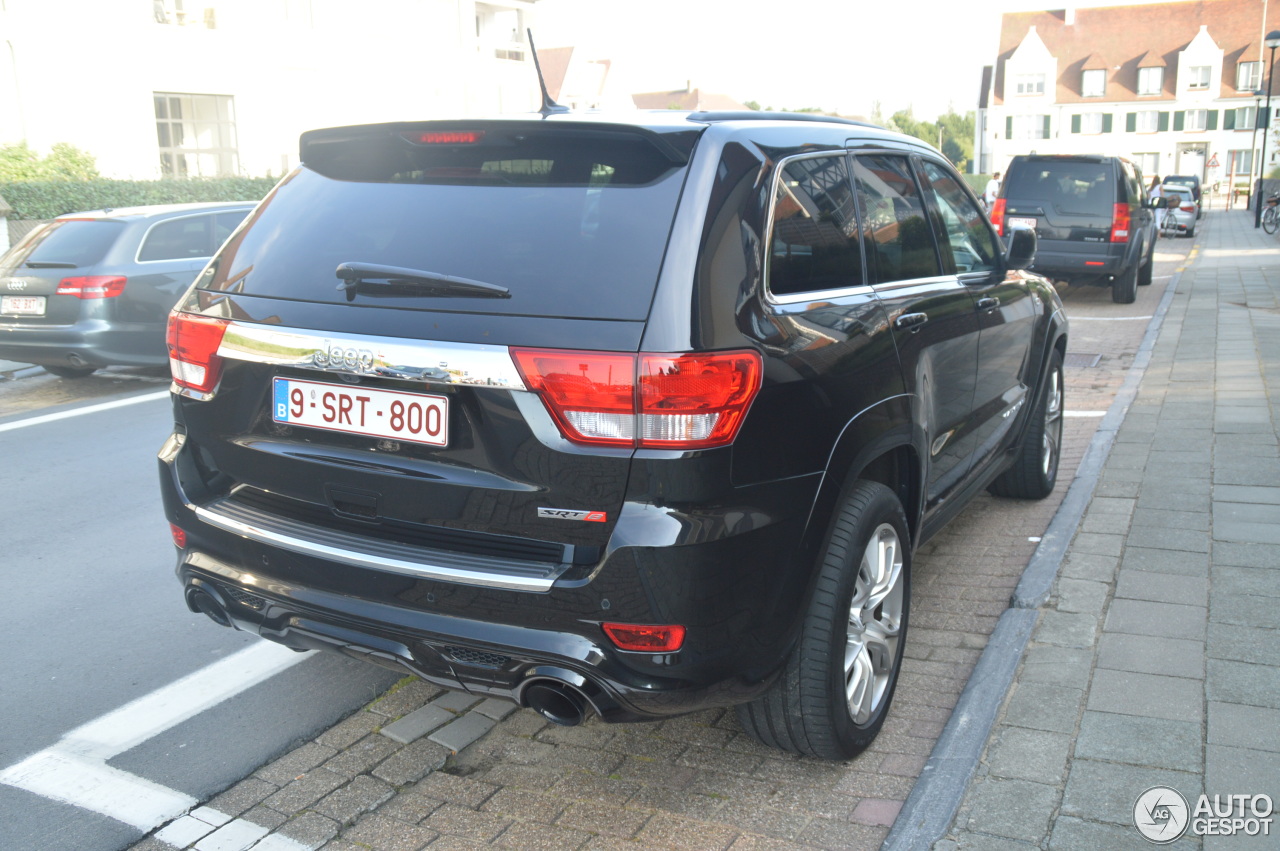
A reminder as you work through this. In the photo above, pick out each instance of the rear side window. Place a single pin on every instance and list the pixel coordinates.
(179, 239)
(815, 242)
(898, 237)
(1070, 186)
(63, 244)
(573, 222)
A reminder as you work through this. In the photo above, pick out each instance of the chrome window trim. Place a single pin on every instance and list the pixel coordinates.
(426, 361)
(917, 282)
(808, 295)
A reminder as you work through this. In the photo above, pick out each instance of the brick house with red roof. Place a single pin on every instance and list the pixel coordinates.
(1169, 85)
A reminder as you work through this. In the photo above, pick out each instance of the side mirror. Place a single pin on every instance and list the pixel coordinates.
(1023, 243)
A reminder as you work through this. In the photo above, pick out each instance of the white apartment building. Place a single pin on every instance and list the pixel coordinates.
(1173, 86)
(156, 88)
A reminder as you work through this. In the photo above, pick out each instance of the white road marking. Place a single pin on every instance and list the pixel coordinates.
(74, 771)
(87, 409)
(1109, 318)
(1084, 413)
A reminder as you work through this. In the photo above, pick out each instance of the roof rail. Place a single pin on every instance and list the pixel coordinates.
(711, 116)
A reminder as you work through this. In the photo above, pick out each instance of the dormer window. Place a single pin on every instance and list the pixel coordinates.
(1029, 84)
(1198, 77)
(1248, 76)
(1150, 81)
(1093, 83)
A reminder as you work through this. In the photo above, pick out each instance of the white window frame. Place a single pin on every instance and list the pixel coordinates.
(1195, 120)
(1145, 82)
(1199, 77)
(1235, 156)
(1029, 127)
(1246, 117)
(196, 134)
(1148, 162)
(1248, 76)
(1090, 123)
(1029, 85)
(1093, 83)
(1148, 121)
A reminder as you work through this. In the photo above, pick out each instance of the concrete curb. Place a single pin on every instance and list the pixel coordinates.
(937, 795)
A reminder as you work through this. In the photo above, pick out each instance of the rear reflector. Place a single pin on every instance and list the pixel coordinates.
(92, 286)
(1120, 223)
(179, 536)
(997, 216)
(1095, 262)
(641, 637)
(646, 400)
(443, 137)
(193, 342)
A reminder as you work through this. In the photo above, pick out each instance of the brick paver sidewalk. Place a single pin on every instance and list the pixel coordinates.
(1154, 664)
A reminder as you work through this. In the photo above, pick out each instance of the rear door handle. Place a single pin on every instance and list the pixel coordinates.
(988, 303)
(910, 320)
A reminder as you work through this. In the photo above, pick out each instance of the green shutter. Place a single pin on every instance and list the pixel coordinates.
(1228, 119)
(1131, 122)
(1106, 122)
(1211, 120)
(1179, 119)
(1008, 127)
(1162, 123)
(1075, 124)
(1046, 127)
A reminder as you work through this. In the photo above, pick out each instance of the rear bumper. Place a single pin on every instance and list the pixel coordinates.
(92, 343)
(735, 590)
(1074, 265)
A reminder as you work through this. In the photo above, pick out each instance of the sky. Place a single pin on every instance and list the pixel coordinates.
(836, 55)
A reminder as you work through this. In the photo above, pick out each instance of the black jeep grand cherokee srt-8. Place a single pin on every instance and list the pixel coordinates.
(634, 415)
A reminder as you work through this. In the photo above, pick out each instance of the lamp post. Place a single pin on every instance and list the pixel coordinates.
(1272, 41)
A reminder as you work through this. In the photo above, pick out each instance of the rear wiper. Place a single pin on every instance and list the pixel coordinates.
(50, 264)
(393, 280)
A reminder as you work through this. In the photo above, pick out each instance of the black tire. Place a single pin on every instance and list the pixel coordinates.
(1191, 232)
(1124, 289)
(808, 709)
(70, 371)
(1035, 468)
(1149, 268)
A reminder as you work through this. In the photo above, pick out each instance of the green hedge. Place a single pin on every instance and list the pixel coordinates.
(977, 182)
(47, 199)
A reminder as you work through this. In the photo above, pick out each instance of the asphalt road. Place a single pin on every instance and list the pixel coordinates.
(92, 619)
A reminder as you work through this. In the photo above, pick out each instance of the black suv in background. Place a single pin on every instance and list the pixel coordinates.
(636, 415)
(1092, 217)
(94, 289)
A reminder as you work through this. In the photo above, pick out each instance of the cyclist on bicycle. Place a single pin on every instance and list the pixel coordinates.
(1156, 193)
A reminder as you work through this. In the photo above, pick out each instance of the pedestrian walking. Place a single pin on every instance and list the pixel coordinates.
(993, 189)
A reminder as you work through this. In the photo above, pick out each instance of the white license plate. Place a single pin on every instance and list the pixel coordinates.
(22, 305)
(415, 417)
(1018, 222)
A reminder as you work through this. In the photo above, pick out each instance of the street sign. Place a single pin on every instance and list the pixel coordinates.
(1213, 161)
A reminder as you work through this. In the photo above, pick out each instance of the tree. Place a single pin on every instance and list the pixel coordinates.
(951, 133)
(18, 162)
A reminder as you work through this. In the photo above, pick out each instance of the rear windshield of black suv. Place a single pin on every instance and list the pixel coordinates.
(572, 222)
(1069, 186)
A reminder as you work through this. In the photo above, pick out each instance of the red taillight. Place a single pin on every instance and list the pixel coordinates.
(1189, 209)
(92, 286)
(1120, 223)
(997, 216)
(443, 137)
(179, 536)
(646, 400)
(641, 637)
(193, 350)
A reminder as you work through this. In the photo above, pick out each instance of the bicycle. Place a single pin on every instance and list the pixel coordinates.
(1169, 222)
(1271, 215)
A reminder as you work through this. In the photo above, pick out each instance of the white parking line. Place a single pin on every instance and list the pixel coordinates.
(87, 409)
(1109, 318)
(74, 771)
(1084, 413)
